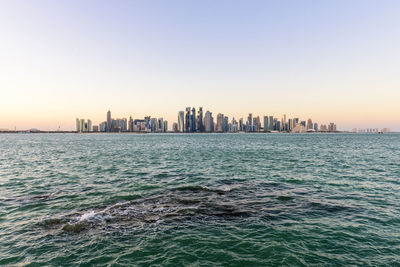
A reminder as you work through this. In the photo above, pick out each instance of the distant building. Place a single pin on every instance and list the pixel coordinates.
(146, 122)
(299, 128)
(290, 125)
(95, 128)
(160, 125)
(165, 126)
(119, 125)
(199, 125)
(225, 125)
(332, 127)
(103, 126)
(295, 122)
(78, 125)
(275, 122)
(82, 126)
(257, 124)
(181, 121)
(130, 124)
(241, 125)
(271, 123)
(208, 122)
(89, 126)
(142, 125)
(233, 126)
(175, 127)
(109, 121)
(193, 123)
(278, 126)
(249, 123)
(316, 127)
(220, 122)
(187, 120)
(153, 125)
(309, 124)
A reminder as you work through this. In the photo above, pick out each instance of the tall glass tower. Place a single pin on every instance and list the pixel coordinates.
(193, 120)
(181, 121)
(109, 121)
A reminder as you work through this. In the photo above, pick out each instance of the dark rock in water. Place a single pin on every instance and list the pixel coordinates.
(285, 198)
(74, 228)
(51, 223)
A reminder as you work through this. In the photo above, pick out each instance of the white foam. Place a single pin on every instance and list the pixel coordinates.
(87, 216)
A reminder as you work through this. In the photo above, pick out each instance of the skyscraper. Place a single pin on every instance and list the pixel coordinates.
(131, 125)
(225, 124)
(271, 123)
(309, 124)
(165, 126)
(275, 125)
(160, 125)
(278, 125)
(208, 122)
(266, 126)
(89, 126)
(153, 125)
(78, 126)
(249, 123)
(83, 125)
(290, 125)
(220, 122)
(181, 121)
(146, 122)
(257, 124)
(187, 120)
(193, 120)
(316, 127)
(103, 126)
(109, 121)
(200, 126)
(295, 121)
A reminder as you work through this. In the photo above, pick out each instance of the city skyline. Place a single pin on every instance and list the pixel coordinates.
(191, 120)
(194, 120)
(332, 61)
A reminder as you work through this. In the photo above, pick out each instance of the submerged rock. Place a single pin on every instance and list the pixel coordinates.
(74, 228)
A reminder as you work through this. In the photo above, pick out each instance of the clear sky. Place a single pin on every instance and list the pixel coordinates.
(332, 61)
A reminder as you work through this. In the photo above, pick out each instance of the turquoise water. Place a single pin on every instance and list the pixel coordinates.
(205, 199)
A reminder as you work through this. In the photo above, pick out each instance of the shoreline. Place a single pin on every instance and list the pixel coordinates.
(170, 132)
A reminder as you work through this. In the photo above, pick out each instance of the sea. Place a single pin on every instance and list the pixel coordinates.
(200, 199)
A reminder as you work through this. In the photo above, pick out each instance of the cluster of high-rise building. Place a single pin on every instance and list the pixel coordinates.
(191, 120)
(83, 126)
(147, 125)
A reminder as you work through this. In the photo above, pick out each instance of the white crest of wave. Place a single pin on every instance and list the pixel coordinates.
(87, 216)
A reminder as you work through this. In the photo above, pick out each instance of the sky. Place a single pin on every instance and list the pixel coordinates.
(331, 61)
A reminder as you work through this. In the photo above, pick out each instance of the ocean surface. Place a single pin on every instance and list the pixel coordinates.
(200, 199)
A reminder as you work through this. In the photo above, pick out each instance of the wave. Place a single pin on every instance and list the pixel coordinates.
(191, 202)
